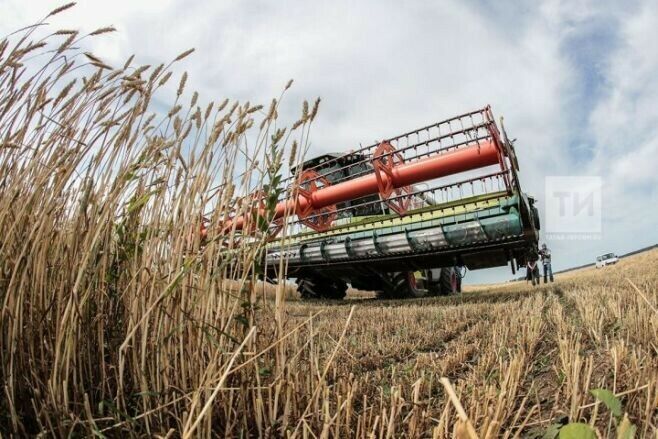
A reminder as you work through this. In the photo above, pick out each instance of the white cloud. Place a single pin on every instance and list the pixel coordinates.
(624, 125)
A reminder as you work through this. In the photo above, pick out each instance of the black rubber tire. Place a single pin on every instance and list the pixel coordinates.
(449, 281)
(447, 284)
(336, 290)
(306, 289)
(403, 287)
(321, 288)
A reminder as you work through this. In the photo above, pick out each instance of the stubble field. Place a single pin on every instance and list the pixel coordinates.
(522, 360)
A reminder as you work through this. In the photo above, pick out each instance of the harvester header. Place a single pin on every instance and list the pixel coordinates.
(427, 201)
(391, 179)
(473, 142)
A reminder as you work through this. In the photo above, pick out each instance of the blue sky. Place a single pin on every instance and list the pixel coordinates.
(575, 80)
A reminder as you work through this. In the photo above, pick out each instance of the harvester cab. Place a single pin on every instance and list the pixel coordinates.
(407, 215)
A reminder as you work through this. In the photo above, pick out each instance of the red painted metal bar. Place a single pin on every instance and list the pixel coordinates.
(464, 159)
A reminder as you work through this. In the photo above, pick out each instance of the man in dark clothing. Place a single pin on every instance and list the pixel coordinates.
(545, 254)
(532, 270)
(532, 273)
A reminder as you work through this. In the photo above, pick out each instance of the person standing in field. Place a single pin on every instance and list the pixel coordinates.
(545, 254)
(532, 271)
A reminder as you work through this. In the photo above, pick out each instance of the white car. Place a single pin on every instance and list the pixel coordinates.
(607, 259)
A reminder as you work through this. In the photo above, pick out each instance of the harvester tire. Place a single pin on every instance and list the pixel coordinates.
(321, 288)
(306, 289)
(403, 287)
(448, 283)
(336, 290)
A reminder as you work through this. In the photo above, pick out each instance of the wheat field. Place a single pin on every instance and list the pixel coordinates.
(120, 317)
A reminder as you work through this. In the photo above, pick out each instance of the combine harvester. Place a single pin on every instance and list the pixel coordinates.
(405, 215)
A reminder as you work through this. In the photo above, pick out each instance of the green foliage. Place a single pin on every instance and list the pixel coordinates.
(272, 191)
(552, 431)
(610, 400)
(625, 428)
(577, 430)
(137, 203)
(241, 319)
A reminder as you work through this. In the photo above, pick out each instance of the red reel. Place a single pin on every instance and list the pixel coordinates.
(321, 219)
(384, 160)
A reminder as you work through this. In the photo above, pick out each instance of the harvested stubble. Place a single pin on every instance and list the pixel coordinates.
(116, 321)
(520, 358)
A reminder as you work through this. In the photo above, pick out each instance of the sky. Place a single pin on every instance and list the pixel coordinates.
(577, 81)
